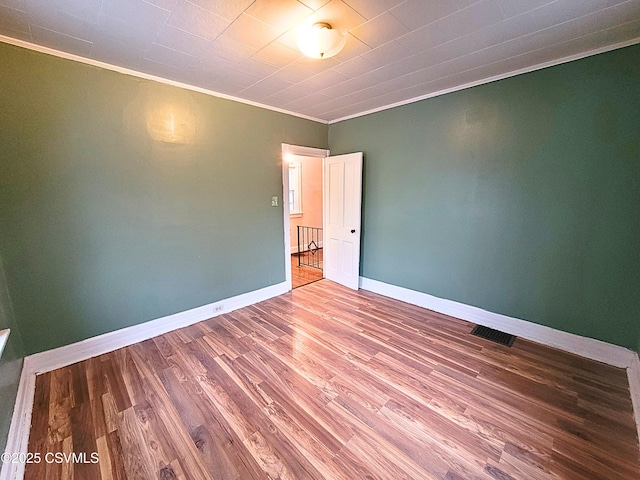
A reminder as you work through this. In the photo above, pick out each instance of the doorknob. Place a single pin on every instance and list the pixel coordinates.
(353, 231)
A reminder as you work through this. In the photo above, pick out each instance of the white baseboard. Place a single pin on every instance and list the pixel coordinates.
(585, 347)
(633, 372)
(52, 359)
(42, 362)
(18, 438)
(92, 347)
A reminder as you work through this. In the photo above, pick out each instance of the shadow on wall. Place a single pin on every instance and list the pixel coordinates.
(10, 362)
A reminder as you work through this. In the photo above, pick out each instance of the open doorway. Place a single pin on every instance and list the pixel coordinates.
(305, 219)
(303, 213)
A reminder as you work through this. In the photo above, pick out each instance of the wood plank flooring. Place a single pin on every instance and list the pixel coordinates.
(303, 275)
(327, 383)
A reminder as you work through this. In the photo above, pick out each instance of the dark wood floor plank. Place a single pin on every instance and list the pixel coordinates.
(38, 437)
(326, 382)
(155, 437)
(84, 440)
(131, 377)
(148, 358)
(61, 403)
(116, 458)
(137, 457)
(115, 384)
(41, 402)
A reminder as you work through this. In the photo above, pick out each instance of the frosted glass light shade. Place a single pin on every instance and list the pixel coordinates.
(320, 40)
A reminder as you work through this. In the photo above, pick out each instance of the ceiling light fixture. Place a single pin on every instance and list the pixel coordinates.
(320, 40)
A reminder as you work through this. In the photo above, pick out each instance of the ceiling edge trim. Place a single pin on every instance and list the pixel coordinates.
(495, 78)
(147, 76)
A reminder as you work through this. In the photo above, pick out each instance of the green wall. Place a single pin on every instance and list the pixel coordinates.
(102, 226)
(10, 362)
(521, 196)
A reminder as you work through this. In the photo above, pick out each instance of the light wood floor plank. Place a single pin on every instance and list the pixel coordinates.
(304, 275)
(329, 383)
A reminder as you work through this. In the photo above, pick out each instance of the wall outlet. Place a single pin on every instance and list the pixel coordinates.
(218, 308)
(274, 201)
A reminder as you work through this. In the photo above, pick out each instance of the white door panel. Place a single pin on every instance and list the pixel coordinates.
(343, 201)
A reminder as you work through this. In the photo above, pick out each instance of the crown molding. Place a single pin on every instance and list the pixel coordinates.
(495, 78)
(147, 76)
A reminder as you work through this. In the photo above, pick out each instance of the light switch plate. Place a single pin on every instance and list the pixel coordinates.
(274, 201)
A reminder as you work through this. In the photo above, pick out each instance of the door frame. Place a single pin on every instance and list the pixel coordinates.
(288, 149)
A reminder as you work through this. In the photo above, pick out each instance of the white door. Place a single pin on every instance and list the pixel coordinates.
(342, 203)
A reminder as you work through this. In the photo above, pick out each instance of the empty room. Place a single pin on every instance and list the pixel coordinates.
(323, 239)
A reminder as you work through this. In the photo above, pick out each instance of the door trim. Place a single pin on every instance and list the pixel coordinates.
(304, 152)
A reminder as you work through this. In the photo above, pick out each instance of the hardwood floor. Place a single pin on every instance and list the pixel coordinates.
(329, 383)
(303, 275)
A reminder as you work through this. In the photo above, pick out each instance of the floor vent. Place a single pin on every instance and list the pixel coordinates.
(493, 335)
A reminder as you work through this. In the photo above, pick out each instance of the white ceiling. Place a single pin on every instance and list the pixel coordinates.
(397, 50)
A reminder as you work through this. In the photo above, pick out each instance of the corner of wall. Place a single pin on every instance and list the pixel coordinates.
(633, 374)
(11, 361)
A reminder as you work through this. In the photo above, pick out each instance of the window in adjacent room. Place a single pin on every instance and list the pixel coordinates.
(295, 188)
